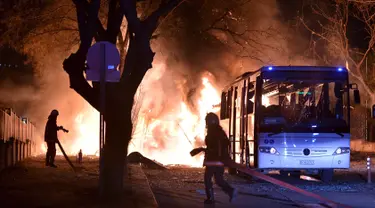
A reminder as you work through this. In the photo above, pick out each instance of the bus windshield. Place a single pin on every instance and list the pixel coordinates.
(304, 106)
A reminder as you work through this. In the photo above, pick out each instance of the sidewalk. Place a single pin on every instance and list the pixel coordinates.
(31, 184)
(141, 187)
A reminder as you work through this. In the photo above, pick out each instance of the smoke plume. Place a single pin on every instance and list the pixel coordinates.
(188, 49)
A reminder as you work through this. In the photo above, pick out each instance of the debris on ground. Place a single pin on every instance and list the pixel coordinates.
(136, 158)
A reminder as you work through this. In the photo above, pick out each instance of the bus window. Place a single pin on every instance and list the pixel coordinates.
(250, 98)
(229, 103)
(250, 103)
(223, 107)
(305, 103)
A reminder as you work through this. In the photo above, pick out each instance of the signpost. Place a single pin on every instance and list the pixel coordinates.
(103, 59)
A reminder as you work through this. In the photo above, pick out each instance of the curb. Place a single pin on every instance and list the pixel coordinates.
(141, 186)
(149, 188)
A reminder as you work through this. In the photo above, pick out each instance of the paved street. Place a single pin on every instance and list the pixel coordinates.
(183, 187)
(31, 184)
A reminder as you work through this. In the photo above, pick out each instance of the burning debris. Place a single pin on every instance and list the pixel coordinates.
(136, 157)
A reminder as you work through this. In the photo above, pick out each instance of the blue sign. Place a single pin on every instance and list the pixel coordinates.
(111, 58)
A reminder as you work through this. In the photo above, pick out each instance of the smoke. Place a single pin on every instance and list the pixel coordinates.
(51, 37)
(200, 47)
(189, 49)
(49, 90)
(194, 47)
(52, 92)
(173, 106)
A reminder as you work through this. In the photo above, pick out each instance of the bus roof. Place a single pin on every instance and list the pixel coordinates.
(303, 68)
(288, 68)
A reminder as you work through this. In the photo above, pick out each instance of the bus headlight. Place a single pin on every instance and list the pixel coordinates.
(341, 150)
(270, 150)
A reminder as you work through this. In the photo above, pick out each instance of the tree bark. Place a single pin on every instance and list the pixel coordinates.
(120, 96)
(118, 130)
(117, 137)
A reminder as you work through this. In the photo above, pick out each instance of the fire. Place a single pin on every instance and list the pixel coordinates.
(168, 137)
(88, 133)
(265, 101)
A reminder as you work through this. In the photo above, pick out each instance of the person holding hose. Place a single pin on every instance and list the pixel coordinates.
(50, 137)
(216, 153)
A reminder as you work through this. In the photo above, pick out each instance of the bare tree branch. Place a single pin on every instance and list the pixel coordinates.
(135, 69)
(75, 64)
(115, 17)
(334, 33)
(128, 8)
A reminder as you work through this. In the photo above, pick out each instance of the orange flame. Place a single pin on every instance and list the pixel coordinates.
(180, 131)
(166, 138)
(265, 101)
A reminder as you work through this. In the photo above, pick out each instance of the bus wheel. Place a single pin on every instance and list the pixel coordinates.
(326, 175)
(232, 171)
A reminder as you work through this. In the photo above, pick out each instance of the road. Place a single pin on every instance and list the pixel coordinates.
(183, 187)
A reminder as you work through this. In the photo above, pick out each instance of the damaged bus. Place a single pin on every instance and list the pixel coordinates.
(291, 119)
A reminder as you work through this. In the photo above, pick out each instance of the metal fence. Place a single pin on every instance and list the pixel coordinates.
(17, 138)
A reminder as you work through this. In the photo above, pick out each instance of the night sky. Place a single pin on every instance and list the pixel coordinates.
(290, 9)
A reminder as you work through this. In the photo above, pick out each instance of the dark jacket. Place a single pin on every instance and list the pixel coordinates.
(217, 144)
(50, 133)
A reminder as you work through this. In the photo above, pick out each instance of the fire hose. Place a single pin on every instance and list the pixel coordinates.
(246, 170)
(63, 151)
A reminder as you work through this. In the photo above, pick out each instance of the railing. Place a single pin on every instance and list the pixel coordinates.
(17, 138)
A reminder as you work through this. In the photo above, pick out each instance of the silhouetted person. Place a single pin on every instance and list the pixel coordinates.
(80, 156)
(216, 152)
(50, 137)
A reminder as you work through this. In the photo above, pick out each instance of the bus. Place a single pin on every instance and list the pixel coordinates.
(290, 119)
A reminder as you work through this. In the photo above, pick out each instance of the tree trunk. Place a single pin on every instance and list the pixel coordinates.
(119, 102)
(118, 134)
(122, 57)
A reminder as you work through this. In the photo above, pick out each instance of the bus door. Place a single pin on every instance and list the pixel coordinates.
(243, 119)
(236, 126)
(229, 116)
(246, 125)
